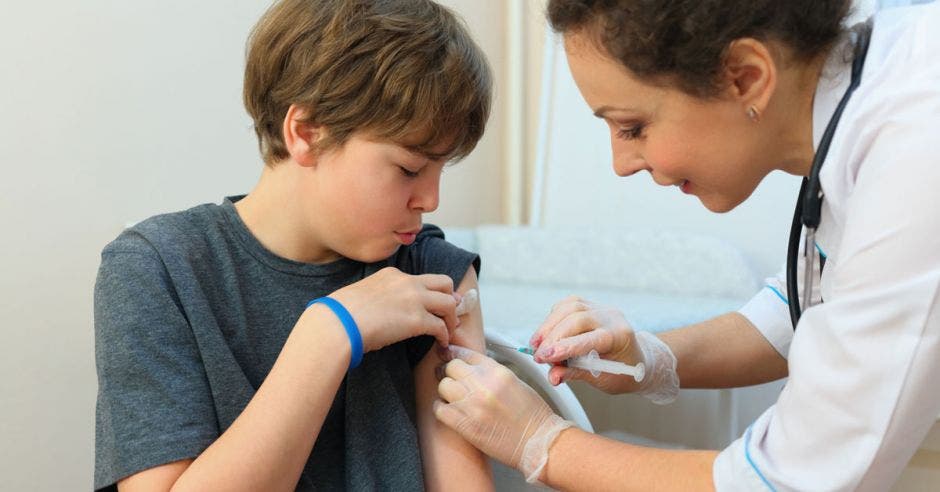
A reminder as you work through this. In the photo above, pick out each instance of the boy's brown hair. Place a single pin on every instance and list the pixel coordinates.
(394, 69)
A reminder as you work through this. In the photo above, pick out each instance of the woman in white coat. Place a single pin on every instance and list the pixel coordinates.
(711, 96)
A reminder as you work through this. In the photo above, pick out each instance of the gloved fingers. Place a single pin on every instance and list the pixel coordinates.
(468, 418)
(469, 356)
(448, 414)
(561, 374)
(451, 390)
(575, 325)
(572, 324)
(560, 311)
(458, 369)
(581, 344)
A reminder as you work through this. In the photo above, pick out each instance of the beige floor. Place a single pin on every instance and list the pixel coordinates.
(923, 472)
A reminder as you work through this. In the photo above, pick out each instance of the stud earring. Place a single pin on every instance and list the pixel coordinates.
(753, 114)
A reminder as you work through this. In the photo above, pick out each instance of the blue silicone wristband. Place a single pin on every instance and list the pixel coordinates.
(352, 329)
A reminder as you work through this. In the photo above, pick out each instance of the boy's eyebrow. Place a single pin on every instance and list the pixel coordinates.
(428, 155)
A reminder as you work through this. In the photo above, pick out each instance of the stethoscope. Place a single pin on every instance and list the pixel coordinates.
(809, 201)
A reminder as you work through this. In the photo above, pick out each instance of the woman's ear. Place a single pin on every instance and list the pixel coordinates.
(750, 73)
(301, 136)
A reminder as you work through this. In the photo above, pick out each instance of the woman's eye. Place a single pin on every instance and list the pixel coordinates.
(408, 172)
(631, 133)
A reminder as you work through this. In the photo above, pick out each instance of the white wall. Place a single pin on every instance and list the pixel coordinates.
(113, 111)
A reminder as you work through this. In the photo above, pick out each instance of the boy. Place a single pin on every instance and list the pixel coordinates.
(212, 373)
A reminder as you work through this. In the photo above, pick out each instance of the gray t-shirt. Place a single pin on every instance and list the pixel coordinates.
(191, 312)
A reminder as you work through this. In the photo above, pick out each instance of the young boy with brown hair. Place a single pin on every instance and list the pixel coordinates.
(281, 340)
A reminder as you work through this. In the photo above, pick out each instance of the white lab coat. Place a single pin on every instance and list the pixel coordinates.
(864, 384)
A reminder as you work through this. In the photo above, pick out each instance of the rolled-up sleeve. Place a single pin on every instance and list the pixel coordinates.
(769, 312)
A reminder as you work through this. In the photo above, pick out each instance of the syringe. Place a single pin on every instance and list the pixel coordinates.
(593, 363)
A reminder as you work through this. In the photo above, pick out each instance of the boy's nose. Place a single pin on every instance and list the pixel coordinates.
(427, 196)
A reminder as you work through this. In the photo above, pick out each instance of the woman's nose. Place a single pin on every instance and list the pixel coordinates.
(629, 165)
(627, 160)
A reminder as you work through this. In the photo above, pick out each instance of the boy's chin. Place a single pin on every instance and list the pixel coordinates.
(373, 254)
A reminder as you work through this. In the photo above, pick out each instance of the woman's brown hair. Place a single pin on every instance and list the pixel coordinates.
(390, 68)
(683, 42)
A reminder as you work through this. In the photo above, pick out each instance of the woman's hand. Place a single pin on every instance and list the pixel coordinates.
(496, 412)
(390, 306)
(576, 327)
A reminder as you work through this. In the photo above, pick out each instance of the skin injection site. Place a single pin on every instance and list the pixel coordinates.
(470, 245)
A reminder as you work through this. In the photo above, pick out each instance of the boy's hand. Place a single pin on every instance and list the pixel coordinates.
(390, 306)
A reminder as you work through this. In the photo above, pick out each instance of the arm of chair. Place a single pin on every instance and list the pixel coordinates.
(561, 397)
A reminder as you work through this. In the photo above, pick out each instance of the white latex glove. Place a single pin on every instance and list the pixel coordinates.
(577, 326)
(496, 412)
(662, 384)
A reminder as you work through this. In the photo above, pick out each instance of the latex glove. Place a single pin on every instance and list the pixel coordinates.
(576, 326)
(496, 412)
(390, 306)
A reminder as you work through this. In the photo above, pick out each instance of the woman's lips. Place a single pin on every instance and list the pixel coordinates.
(686, 187)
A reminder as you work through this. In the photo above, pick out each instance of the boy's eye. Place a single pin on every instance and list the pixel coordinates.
(408, 172)
(632, 132)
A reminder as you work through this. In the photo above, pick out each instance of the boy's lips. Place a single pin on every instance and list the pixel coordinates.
(409, 236)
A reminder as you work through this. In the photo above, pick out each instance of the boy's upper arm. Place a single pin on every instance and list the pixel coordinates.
(470, 332)
(158, 478)
(446, 457)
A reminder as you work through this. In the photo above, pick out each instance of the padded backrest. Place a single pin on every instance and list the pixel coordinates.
(654, 262)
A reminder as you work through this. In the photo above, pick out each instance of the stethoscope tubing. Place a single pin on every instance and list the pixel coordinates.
(808, 208)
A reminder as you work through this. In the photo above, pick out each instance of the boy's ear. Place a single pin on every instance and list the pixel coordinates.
(300, 136)
(750, 73)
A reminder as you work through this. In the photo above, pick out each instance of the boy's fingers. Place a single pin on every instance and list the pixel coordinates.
(436, 282)
(444, 306)
(435, 327)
